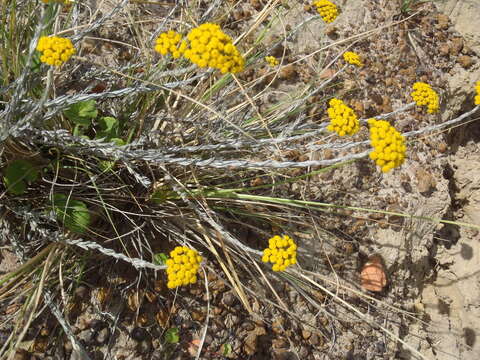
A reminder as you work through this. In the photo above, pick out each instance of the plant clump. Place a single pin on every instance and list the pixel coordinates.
(352, 58)
(167, 43)
(424, 95)
(55, 50)
(182, 267)
(388, 144)
(327, 10)
(281, 252)
(271, 61)
(342, 118)
(477, 97)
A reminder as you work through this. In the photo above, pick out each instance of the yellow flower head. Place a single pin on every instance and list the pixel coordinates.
(182, 267)
(55, 50)
(388, 145)
(281, 252)
(342, 119)
(327, 10)
(424, 95)
(352, 58)
(477, 97)
(271, 61)
(170, 42)
(209, 46)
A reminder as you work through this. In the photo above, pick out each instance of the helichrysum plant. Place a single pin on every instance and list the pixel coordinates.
(477, 97)
(281, 252)
(182, 267)
(271, 61)
(342, 118)
(424, 95)
(55, 50)
(327, 10)
(388, 145)
(170, 43)
(352, 58)
(206, 46)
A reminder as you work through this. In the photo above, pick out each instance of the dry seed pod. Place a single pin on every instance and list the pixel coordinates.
(373, 275)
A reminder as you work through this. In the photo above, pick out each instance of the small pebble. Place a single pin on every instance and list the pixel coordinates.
(87, 337)
(21, 355)
(138, 334)
(144, 346)
(103, 336)
(81, 292)
(228, 299)
(465, 61)
(97, 324)
(306, 334)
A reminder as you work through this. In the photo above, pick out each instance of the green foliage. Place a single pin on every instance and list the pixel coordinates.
(17, 174)
(82, 113)
(162, 194)
(109, 128)
(172, 336)
(160, 259)
(227, 349)
(73, 213)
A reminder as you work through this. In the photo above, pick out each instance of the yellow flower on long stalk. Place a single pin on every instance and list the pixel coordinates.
(342, 118)
(281, 252)
(182, 267)
(327, 10)
(424, 95)
(388, 145)
(55, 50)
(206, 46)
(352, 58)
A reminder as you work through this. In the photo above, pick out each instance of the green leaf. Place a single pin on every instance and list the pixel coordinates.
(171, 336)
(73, 213)
(109, 128)
(160, 259)
(106, 165)
(227, 349)
(36, 63)
(118, 141)
(82, 113)
(162, 194)
(17, 173)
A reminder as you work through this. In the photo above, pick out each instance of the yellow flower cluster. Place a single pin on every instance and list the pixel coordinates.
(352, 58)
(327, 10)
(388, 144)
(477, 97)
(342, 119)
(271, 61)
(167, 43)
(182, 267)
(424, 95)
(207, 46)
(55, 50)
(210, 46)
(281, 252)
